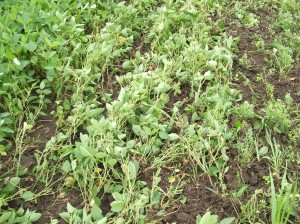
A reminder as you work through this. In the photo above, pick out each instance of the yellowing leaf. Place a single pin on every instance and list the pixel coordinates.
(172, 179)
(70, 181)
(121, 39)
(3, 153)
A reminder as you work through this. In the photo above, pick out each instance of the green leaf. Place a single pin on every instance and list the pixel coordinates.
(212, 65)
(7, 121)
(24, 63)
(20, 219)
(263, 150)
(213, 170)
(42, 85)
(66, 167)
(28, 195)
(209, 75)
(12, 217)
(183, 200)
(31, 46)
(85, 152)
(70, 208)
(156, 198)
(34, 216)
(16, 61)
(11, 185)
(19, 103)
(127, 65)
(2, 148)
(117, 206)
(46, 92)
(173, 136)
(2, 49)
(5, 216)
(112, 162)
(65, 215)
(15, 180)
(121, 136)
(195, 116)
(258, 124)
(132, 170)
(147, 130)
(117, 196)
(227, 220)
(163, 135)
(96, 212)
(162, 87)
(273, 201)
(47, 66)
(5, 114)
(95, 112)
(102, 221)
(20, 211)
(22, 171)
(120, 220)
(7, 130)
(67, 104)
(100, 155)
(94, 192)
(137, 130)
(130, 144)
(208, 218)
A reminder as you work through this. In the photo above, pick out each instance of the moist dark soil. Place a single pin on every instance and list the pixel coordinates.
(199, 199)
(251, 175)
(289, 84)
(111, 87)
(55, 202)
(106, 200)
(38, 137)
(140, 45)
(49, 205)
(183, 97)
(201, 196)
(253, 88)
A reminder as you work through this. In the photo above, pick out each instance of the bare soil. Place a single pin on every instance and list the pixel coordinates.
(199, 198)
(55, 202)
(254, 89)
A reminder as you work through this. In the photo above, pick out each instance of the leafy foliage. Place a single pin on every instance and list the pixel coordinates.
(133, 84)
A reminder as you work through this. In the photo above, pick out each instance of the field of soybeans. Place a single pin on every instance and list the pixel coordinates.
(150, 112)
